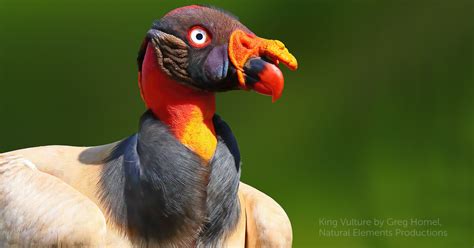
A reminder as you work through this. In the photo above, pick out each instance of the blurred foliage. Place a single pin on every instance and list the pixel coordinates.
(378, 121)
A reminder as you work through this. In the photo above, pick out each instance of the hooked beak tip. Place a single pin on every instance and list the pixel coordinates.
(264, 78)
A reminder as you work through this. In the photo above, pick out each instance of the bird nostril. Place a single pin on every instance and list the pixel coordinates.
(247, 41)
(248, 44)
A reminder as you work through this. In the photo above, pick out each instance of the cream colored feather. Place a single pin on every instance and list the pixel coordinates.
(48, 197)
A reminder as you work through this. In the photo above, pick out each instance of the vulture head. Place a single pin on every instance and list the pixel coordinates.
(209, 50)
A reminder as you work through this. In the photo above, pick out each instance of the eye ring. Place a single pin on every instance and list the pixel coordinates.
(199, 37)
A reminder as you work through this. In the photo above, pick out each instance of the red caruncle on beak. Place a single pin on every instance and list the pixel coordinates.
(245, 48)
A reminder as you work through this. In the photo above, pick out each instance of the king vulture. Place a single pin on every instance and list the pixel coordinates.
(176, 182)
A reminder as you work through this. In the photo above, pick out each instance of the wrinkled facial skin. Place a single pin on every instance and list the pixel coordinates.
(208, 67)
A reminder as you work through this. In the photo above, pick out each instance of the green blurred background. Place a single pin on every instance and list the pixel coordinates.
(378, 122)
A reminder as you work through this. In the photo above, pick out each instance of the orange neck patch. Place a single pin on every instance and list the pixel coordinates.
(187, 112)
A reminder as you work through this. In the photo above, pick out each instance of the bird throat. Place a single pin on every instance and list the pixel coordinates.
(191, 123)
(188, 112)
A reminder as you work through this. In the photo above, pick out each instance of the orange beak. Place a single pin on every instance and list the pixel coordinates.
(256, 61)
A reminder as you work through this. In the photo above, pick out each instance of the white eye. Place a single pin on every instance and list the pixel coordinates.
(198, 37)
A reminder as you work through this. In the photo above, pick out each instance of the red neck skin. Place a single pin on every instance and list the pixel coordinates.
(188, 112)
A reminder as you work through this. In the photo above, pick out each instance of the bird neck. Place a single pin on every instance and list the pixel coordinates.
(186, 111)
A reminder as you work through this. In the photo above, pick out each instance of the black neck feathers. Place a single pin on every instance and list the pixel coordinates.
(160, 192)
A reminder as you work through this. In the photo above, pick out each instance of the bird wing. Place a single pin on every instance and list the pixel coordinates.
(267, 223)
(38, 209)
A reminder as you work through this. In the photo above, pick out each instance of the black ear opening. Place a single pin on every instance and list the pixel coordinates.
(142, 50)
(156, 24)
(141, 53)
(143, 46)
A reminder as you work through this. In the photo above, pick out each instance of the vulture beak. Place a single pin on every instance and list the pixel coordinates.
(256, 61)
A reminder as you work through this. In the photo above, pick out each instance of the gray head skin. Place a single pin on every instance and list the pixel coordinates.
(197, 46)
